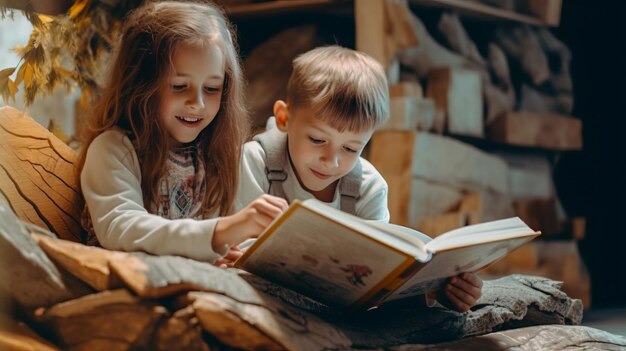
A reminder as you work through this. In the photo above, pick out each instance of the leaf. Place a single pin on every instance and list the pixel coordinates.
(77, 8)
(7, 89)
(27, 75)
(5, 73)
(12, 88)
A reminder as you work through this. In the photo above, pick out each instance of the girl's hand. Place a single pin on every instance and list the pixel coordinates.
(249, 222)
(461, 292)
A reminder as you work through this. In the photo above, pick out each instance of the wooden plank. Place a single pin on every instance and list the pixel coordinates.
(468, 211)
(481, 11)
(274, 7)
(109, 320)
(458, 92)
(38, 175)
(541, 130)
(451, 162)
(159, 276)
(405, 89)
(396, 170)
(430, 199)
(370, 19)
(548, 11)
(540, 214)
(88, 263)
(182, 331)
(403, 114)
(27, 275)
(272, 326)
(16, 335)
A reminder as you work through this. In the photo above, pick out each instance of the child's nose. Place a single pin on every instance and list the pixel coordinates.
(196, 100)
(331, 159)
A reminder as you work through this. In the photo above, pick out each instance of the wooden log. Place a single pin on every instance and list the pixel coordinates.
(274, 317)
(468, 211)
(16, 335)
(382, 28)
(429, 199)
(540, 214)
(405, 89)
(458, 92)
(405, 158)
(542, 130)
(109, 320)
(524, 259)
(272, 326)
(561, 260)
(428, 54)
(159, 276)
(88, 263)
(547, 11)
(458, 40)
(529, 176)
(182, 331)
(38, 175)
(533, 100)
(403, 114)
(27, 275)
(465, 166)
(522, 45)
(268, 68)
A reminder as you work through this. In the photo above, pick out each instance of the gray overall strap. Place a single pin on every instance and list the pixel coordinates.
(274, 143)
(350, 188)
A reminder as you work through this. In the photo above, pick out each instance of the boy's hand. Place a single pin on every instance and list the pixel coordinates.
(227, 261)
(461, 292)
(249, 222)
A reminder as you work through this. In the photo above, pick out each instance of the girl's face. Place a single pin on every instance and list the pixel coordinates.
(191, 96)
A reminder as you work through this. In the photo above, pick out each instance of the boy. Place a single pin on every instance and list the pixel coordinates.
(336, 98)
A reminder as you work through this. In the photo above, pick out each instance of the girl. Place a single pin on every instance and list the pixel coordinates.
(161, 153)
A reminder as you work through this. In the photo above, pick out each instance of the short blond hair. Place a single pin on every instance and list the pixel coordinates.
(346, 88)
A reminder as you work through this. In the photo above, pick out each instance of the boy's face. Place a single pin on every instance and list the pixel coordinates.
(191, 97)
(319, 153)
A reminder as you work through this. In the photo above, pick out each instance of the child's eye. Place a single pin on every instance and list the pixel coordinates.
(316, 141)
(350, 150)
(211, 90)
(178, 87)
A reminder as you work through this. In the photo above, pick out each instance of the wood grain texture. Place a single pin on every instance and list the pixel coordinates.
(38, 175)
(27, 275)
(540, 130)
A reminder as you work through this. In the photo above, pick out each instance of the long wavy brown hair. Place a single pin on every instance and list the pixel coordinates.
(142, 63)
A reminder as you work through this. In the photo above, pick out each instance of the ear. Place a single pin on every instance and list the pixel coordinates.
(281, 112)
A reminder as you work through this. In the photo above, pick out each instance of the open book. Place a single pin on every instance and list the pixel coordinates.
(344, 261)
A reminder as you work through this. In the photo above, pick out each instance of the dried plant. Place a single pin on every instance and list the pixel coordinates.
(65, 50)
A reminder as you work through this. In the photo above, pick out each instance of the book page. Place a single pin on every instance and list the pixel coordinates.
(446, 264)
(481, 233)
(323, 259)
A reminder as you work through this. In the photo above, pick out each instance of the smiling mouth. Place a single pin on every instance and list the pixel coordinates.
(189, 120)
(320, 175)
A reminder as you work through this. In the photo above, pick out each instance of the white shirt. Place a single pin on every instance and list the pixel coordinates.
(371, 205)
(111, 185)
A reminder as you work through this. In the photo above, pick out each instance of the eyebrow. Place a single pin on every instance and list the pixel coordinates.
(349, 141)
(183, 74)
